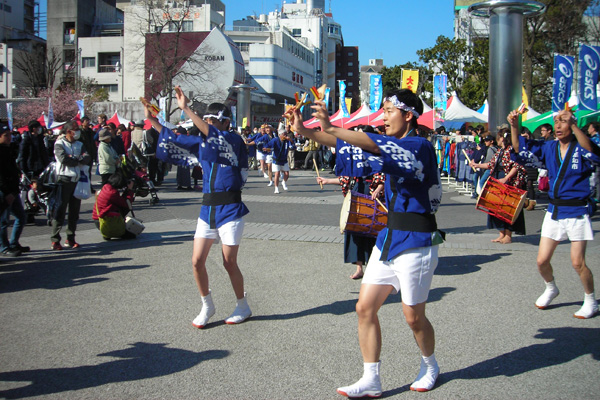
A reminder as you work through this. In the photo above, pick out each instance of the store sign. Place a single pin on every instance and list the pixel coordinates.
(214, 58)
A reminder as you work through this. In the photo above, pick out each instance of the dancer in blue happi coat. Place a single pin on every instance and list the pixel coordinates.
(406, 252)
(279, 148)
(570, 160)
(224, 160)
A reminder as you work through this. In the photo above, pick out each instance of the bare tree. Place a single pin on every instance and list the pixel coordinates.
(171, 54)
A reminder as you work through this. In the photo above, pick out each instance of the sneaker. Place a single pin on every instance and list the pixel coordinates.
(22, 249)
(361, 388)
(276, 190)
(56, 246)
(11, 252)
(546, 298)
(284, 186)
(270, 183)
(72, 244)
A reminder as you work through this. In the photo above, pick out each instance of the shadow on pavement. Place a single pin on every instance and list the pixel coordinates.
(567, 344)
(459, 265)
(141, 361)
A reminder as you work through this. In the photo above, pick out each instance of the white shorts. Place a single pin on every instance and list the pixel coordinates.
(410, 273)
(260, 156)
(269, 158)
(285, 167)
(574, 229)
(229, 233)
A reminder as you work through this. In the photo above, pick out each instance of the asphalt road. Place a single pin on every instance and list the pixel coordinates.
(113, 319)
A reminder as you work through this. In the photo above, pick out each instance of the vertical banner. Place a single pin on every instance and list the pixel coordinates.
(563, 80)
(234, 116)
(162, 104)
(410, 79)
(326, 100)
(50, 115)
(10, 115)
(81, 108)
(440, 100)
(589, 61)
(343, 107)
(376, 92)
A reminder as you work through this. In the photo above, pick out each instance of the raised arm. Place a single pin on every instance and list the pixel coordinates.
(182, 102)
(583, 139)
(358, 139)
(317, 136)
(513, 121)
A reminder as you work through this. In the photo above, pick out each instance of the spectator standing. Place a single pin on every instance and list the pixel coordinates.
(33, 157)
(71, 156)
(10, 202)
(108, 158)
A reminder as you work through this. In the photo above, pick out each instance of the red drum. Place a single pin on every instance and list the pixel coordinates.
(360, 214)
(502, 201)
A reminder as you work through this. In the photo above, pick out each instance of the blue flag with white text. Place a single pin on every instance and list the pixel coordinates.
(589, 63)
(563, 81)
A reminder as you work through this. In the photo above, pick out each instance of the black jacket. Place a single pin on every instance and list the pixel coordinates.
(33, 156)
(9, 173)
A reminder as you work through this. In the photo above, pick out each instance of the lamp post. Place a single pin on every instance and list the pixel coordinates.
(506, 53)
(243, 103)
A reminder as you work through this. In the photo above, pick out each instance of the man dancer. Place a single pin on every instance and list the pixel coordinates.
(570, 160)
(406, 252)
(224, 160)
(279, 148)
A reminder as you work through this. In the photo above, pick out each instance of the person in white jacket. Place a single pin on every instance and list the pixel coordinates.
(71, 156)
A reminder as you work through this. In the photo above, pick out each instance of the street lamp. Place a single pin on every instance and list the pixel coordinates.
(506, 53)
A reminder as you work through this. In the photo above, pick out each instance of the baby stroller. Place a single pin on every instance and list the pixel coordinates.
(34, 197)
(134, 166)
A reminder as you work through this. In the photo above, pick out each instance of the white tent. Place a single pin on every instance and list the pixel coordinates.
(426, 108)
(457, 114)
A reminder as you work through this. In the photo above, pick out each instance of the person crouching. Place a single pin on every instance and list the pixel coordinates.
(111, 207)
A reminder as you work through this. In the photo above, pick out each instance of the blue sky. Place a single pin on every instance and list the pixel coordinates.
(390, 29)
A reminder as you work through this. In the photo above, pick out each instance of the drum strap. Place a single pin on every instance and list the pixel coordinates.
(414, 222)
(222, 198)
(564, 165)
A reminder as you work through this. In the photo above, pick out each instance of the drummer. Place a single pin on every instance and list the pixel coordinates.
(570, 160)
(357, 246)
(507, 171)
(406, 253)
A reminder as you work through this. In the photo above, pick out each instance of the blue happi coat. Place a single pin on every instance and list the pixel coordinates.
(569, 178)
(224, 160)
(412, 184)
(280, 149)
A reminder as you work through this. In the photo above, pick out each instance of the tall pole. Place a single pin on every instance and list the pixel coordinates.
(243, 103)
(506, 53)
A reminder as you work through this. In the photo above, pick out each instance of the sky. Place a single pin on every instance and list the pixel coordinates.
(389, 29)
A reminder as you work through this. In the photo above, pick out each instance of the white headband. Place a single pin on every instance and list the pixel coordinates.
(401, 106)
(220, 116)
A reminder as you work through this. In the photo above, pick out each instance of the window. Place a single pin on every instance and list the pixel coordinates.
(108, 62)
(350, 54)
(187, 26)
(350, 84)
(110, 88)
(88, 62)
(69, 33)
(350, 63)
(243, 46)
(296, 32)
(173, 26)
(350, 73)
(7, 8)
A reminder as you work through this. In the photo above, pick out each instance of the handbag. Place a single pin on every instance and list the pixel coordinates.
(83, 189)
(111, 226)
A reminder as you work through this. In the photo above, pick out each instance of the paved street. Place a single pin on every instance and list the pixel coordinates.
(113, 319)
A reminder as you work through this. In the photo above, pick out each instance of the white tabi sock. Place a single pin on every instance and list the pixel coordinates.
(368, 385)
(208, 310)
(549, 294)
(589, 308)
(427, 376)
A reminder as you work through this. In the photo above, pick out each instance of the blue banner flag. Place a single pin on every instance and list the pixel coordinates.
(9, 113)
(563, 81)
(589, 62)
(326, 100)
(81, 108)
(440, 99)
(376, 93)
(50, 114)
(343, 107)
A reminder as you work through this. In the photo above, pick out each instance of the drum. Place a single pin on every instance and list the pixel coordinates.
(360, 214)
(501, 201)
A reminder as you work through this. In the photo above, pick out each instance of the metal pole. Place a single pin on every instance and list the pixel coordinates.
(506, 53)
(243, 103)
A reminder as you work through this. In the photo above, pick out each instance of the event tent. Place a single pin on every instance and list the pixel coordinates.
(363, 111)
(457, 114)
